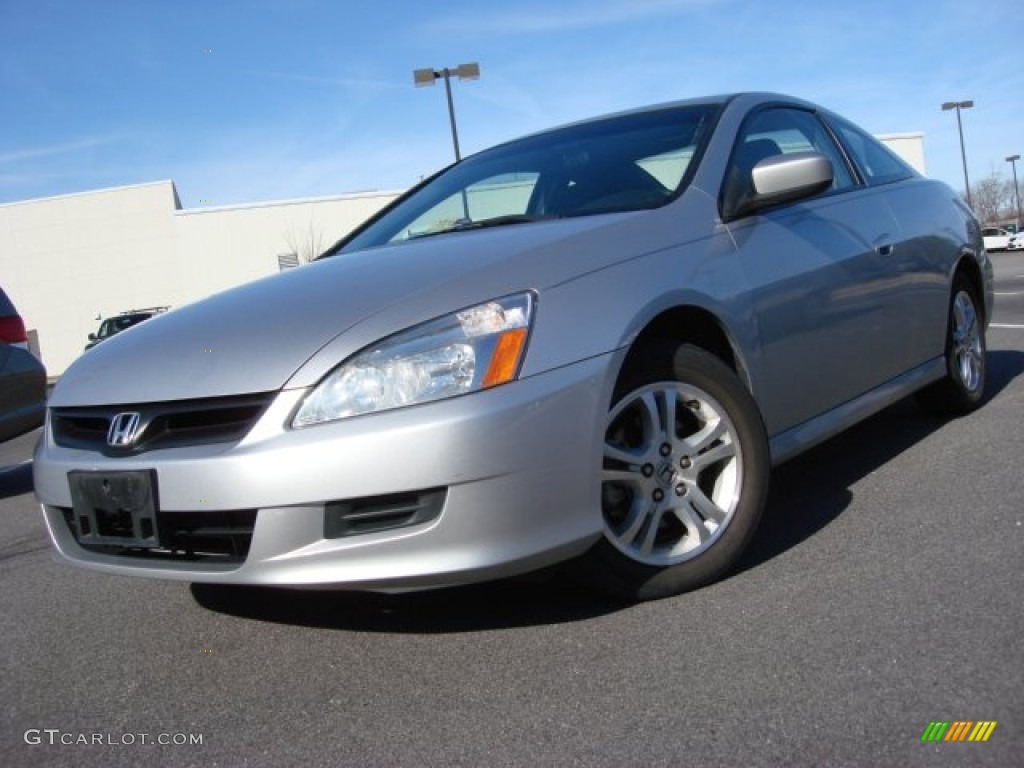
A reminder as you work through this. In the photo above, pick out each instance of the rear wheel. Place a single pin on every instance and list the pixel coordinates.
(684, 476)
(963, 387)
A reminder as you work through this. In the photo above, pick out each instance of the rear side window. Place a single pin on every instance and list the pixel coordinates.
(876, 162)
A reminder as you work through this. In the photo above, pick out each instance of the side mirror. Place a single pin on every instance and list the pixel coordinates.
(783, 178)
(92, 337)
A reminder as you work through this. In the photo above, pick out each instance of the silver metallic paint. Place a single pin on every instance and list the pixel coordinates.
(808, 294)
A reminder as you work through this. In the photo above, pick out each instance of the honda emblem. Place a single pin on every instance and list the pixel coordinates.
(124, 429)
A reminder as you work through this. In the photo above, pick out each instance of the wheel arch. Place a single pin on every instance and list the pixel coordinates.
(692, 324)
(968, 266)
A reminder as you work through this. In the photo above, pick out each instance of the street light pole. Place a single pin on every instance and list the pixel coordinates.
(1012, 160)
(422, 77)
(958, 105)
(451, 111)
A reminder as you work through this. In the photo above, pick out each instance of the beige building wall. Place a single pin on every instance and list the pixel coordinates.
(64, 259)
(909, 146)
(68, 261)
(218, 248)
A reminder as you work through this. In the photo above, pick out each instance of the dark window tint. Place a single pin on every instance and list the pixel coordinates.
(622, 163)
(114, 325)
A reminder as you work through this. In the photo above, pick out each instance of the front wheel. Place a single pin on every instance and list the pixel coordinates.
(963, 387)
(684, 476)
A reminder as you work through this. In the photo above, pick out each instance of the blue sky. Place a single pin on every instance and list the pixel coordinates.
(260, 100)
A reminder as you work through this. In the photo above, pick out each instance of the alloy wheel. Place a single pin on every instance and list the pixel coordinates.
(967, 349)
(672, 474)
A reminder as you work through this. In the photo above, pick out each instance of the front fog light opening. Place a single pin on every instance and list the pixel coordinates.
(353, 517)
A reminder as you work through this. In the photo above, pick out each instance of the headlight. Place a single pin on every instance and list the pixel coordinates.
(465, 351)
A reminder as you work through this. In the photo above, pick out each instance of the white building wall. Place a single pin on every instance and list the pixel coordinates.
(64, 259)
(218, 248)
(909, 146)
(67, 261)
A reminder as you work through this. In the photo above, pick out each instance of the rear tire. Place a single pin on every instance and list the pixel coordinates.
(684, 477)
(963, 387)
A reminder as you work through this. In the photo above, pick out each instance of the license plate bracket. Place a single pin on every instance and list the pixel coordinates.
(115, 508)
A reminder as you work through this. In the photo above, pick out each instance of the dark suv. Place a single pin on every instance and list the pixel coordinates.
(122, 322)
(22, 376)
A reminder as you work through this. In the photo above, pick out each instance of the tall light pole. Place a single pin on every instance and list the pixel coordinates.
(958, 105)
(422, 77)
(1012, 160)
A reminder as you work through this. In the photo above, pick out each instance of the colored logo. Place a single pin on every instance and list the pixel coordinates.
(959, 730)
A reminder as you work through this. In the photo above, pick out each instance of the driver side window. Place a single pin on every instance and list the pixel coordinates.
(778, 131)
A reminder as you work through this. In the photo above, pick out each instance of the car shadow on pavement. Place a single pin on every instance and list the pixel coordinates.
(520, 602)
(807, 494)
(813, 489)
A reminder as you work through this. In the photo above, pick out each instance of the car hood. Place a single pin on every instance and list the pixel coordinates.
(255, 338)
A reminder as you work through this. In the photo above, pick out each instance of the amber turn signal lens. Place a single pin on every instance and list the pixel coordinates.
(505, 360)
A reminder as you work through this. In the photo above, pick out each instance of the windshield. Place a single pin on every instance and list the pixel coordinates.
(115, 325)
(623, 163)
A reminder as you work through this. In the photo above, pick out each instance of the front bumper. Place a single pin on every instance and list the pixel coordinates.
(519, 466)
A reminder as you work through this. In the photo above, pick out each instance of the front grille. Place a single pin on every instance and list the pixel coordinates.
(160, 425)
(191, 536)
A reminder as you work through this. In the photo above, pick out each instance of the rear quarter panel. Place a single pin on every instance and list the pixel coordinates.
(939, 231)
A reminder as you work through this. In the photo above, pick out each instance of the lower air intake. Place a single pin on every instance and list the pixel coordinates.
(381, 513)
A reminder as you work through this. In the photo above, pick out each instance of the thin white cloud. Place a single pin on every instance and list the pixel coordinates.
(346, 82)
(276, 162)
(30, 153)
(563, 17)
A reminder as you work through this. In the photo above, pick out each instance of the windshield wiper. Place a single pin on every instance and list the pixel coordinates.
(463, 225)
(499, 221)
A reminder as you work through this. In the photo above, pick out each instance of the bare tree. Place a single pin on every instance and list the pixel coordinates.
(306, 243)
(993, 199)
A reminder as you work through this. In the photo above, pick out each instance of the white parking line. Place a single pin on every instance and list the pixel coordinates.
(1009, 293)
(1005, 325)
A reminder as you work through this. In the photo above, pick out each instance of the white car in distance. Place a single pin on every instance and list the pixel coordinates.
(996, 238)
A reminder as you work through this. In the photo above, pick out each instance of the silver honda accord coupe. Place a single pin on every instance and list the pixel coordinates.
(588, 345)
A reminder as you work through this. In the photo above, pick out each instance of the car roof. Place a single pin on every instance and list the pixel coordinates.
(752, 98)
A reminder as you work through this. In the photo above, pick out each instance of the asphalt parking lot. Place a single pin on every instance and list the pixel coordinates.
(883, 593)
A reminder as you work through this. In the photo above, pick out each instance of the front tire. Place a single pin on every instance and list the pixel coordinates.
(684, 476)
(963, 387)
